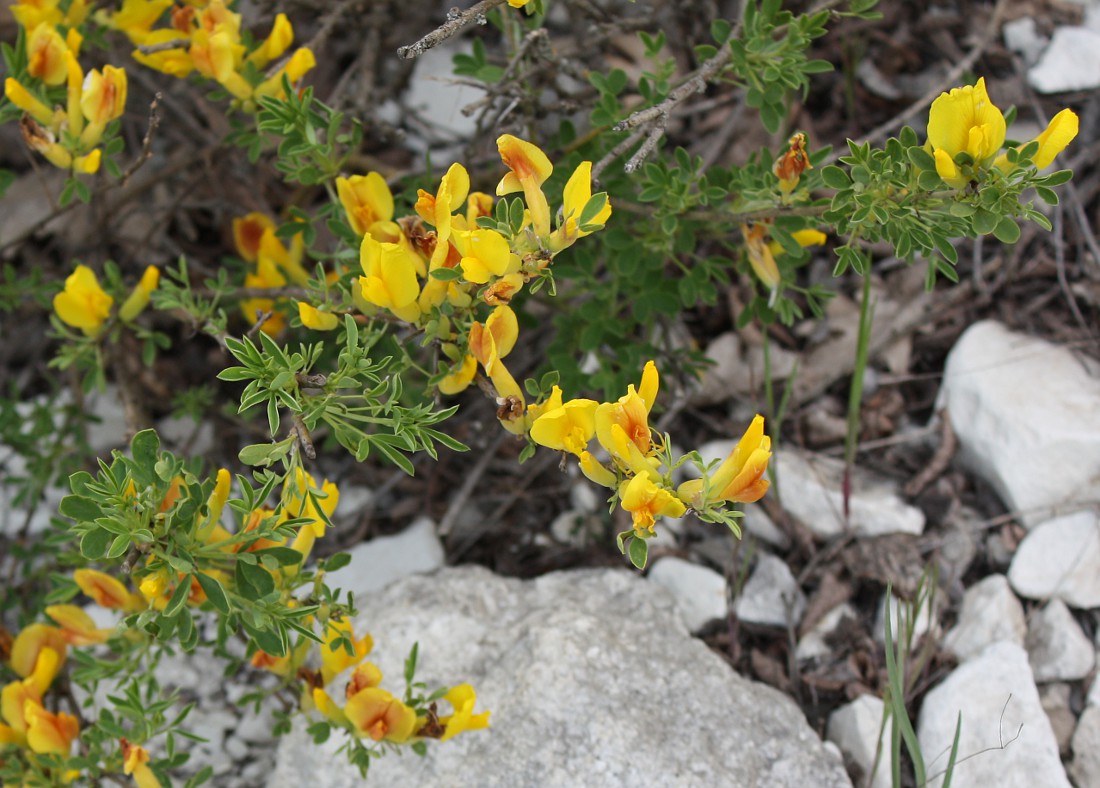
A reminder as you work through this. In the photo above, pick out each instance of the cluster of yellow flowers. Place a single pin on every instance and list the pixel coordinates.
(66, 136)
(635, 468)
(204, 36)
(966, 132)
(85, 305)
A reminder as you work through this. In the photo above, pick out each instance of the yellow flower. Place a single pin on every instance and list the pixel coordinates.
(267, 276)
(314, 318)
(964, 120)
(248, 231)
(26, 101)
(485, 254)
(77, 627)
(139, 297)
(335, 659)
(1053, 140)
(478, 204)
(376, 713)
(107, 591)
(529, 170)
(83, 304)
(174, 61)
(48, 732)
(437, 209)
(277, 42)
(390, 280)
(46, 667)
(567, 426)
(462, 698)
(646, 501)
(46, 55)
(577, 193)
(460, 377)
(288, 260)
(630, 414)
(489, 343)
(135, 18)
(135, 762)
(103, 96)
(595, 472)
(760, 254)
(740, 477)
(301, 62)
(366, 200)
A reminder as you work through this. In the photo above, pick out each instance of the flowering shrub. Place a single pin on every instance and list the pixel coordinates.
(352, 337)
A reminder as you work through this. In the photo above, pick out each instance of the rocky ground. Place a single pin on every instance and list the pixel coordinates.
(757, 662)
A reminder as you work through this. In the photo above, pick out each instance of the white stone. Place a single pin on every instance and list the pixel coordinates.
(235, 748)
(715, 385)
(1060, 559)
(858, 730)
(899, 610)
(757, 523)
(1057, 649)
(1027, 416)
(1055, 698)
(1021, 35)
(181, 433)
(1006, 739)
(1085, 768)
(810, 489)
(1071, 62)
(583, 497)
(111, 430)
(700, 592)
(771, 597)
(812, 645)
(379, 562)
(354, 499)
(568, 527)
(587, 675)
(990, 612)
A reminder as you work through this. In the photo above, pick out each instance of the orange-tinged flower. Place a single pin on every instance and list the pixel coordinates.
(46, 55)
(46, 668)
(248, 230)
(789, 167)
(489, 343)
(529, 170)
(267, 276)
(364, 676)
(289, 260)
(366, 199)
(328, 707)
(568, 426)
(646, 501)
(135, 762)
(760, 254)
(30, 643)
(478, 204)
(103, 96)
(107, 591)
(314, 318)
(48, 732)
(138, 299)
(77, 627)
(630, 414)
(463, 699)
(740, 477)
(964, 120)
(83, 304)
(335, 659)
(31, 13)
(13, 704)
(376, 713)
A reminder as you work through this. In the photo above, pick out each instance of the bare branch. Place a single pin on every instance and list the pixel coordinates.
(456, 20)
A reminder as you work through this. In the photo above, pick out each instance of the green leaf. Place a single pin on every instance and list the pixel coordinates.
(985, 221)
(921, 158)
(446, 274)
(179, 597)
(284, 556)
(1049, 196)
(119, 546)
(592, 208)
(257, 577)
(79, 508)
(93, 544)
(1007, 231)
(835, 178)
(215, 594)
(143, 448)
(638, 550)
(1057, 178)
(338, 561)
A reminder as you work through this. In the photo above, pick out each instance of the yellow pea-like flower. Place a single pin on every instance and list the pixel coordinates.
(83, 304)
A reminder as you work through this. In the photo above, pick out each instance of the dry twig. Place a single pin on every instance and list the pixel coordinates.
(456, 20)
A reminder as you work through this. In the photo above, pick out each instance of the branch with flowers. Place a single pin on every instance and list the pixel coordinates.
(348, 319)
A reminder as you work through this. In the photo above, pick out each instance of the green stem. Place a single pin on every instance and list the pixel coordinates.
(855, 396)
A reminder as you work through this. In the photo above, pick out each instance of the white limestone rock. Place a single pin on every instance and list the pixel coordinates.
(109, 429)
(1060, 559)
(1055, 699)
(1004, 727)
(1071, 62)
(183, 435)
(381, 561)
(738, 368)
(810, 489)
(1057, 649)
(812, 645)
(1022, 36)
(592, 680)
(1027, 416)
(700, 592)
(858, 730)
(990, 612)
(1085, 768)
(771, 597)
